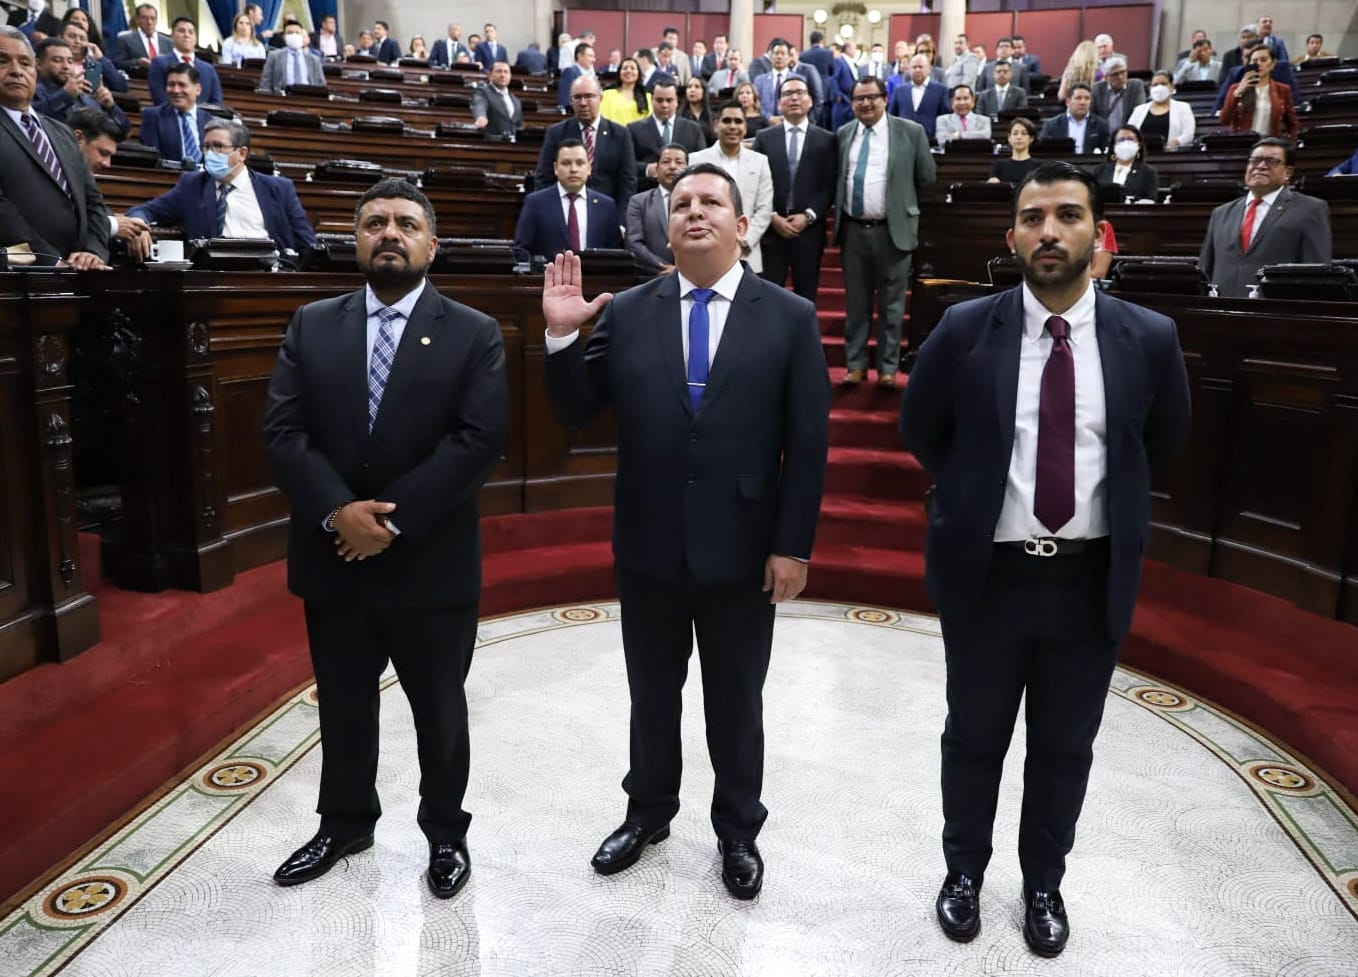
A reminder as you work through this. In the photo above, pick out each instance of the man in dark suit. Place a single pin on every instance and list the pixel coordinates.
(327, 43)
(495, 108)
(564, 216)
(1270, 225)
(386, 48)
(1089, 131)
(229, 199)
(613, 162)
(661, 128)
(920, 101)
(386, 414)
(35, 20)
(803, 161)
(175, 129)
(185, 37)
(818, 55)
(446, 49)
(137, 47)
(489, 50)
(291, 64)
(715, 59)
(1030, 61)
(48, 198)
(62, 87)
(1040, 413)
(718, 488)
(1004, 52)
(532, 60)
(1003, 95)
(648, 215)
(581, 67)
(1116, 95)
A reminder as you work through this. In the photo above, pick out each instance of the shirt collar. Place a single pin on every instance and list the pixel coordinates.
(405, 306)
(725, 287)
(878, 128)
(1080, 316)
(562, 193)
(1268, 198)
(242, 177)
(1072, 121)
(800, 126)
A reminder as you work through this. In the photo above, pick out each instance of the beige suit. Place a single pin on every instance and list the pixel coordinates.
(755, 180)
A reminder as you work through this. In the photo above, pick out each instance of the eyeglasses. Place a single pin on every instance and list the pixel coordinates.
(583, 98)
(217, 147)
(1271, 162)
(864, 99)
(793, 93)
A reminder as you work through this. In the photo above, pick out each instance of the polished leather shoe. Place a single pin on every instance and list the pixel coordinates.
(449, 868)
(623, 847)
(1045, 926)
(742, 870)
(317, 857)
(854, 377)
(887, 380)
(959, 907)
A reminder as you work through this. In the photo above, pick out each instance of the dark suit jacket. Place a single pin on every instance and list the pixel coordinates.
(489, 103)
(1104, 96)
(646, 143)
(316, 44)
(192, 204)
(934, 103)
(207, 76)
(542, 228)
(441, 57)
(483, 56)
(533, 62)
(1014, 98)
(274, 76)
(957, 417)
(615, 164)
(817, 167)
(1096, 131)
(820, 58)
(986, 78)
(130, 48)
(34, 209)
(56, 101)
(1142, 182)
(113, 79)
(160, 130)
(1296, 229)
(709, 496)
(387, 51)
(648, 230)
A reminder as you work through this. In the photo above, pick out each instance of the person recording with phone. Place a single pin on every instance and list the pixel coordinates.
(1259, 104)
(66, 84)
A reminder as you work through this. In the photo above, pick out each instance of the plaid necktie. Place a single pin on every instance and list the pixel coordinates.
(384, 353)
(45, 152)
(221, 207)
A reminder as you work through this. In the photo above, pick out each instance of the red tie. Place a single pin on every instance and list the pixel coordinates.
(188, 59)
(964, 122)
(1247, 225)
(151, 45)
(587, 137)
(573, 224)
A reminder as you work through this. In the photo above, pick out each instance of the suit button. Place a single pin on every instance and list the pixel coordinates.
(691, 479)
(693, 439)
(365, 466)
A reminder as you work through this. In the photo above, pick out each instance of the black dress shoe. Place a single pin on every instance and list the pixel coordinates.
(449, 868)
(1045, 926)
(742, 870)
(959, 907)
(317, 857)
(623, 847)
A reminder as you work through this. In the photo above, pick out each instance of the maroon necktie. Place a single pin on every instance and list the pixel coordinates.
(573, 224)
(587, 137)
(1054, 495)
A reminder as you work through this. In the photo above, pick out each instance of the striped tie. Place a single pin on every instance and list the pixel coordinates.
(384, 352)
(189, 137)
(221, 208)
(45, 151)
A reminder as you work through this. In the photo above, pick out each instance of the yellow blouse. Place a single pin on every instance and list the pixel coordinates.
(620, 108)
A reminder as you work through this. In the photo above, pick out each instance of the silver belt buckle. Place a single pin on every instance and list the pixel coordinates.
(1039, 547)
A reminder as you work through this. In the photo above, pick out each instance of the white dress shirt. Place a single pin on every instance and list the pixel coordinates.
(874, 186)
(1090, 520)
(243, 216)
(581, 211)
(1000, 95)
(1263, 109)
(1260, 212)
(1120, 173)
(917, 94)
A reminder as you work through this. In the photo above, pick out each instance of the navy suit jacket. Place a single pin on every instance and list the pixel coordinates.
(533, 62)
(160, 130)
(957, 417)
(563, 85)
(387, 51)
(615, 163)
(192, 204)
(706, 496)
(485, 59)
(57, 102)
(934, 103)
(542, 227)
(207, 76)
(441, 57)
(1096, 130)
(130, 47)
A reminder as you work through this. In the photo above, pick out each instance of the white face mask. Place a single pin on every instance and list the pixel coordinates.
(1159, 93)
(877, 57)
(293, 41)
(1125, 150)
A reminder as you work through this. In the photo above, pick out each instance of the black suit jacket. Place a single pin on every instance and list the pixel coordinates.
(1142, 182)
(957, 417)
(712, 495)
(817, 166)
(646, 143)
(33, 207)
(1096, 130)
(615, 163)
(130, 47)
(388, 51)
(438, 435)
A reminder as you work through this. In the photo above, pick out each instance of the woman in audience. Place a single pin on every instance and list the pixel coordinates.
(242, 44)
(1128, 168)
(695, 108)
(1164, 115)
(1082, 66)
(1017, 165)
(1257, 103)
(417, 48)
(629, 101)
(755, 119)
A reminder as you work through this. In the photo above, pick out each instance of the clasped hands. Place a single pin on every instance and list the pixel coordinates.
(789, 227)
(361, 529)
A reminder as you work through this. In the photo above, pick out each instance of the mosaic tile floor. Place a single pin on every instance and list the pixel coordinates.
(1203, 849)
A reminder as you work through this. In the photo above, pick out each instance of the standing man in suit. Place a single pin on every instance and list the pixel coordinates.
(446, 49)
(962, 122)
(729, 75)
(48, 198)
(883, 161)
(185, 39)
(291, 64)
(564, 216)
(923, 100)
(670, 62)
(751, 172)
(175, 128)
(386, 414)
(1270, 225)
(612, 159)
(495, 108)
(767, 85)
(138, 47)
(661, 128)
(716, 58)
(386, 48)
(229, 199)
(1004, 52)
(1089, 131)
(1030, 61)
(1002, 96)
(721, 466)
(327, 43)
(98, 138)
(489, 50)
(581, 67)
(1116, 96)
(965, 65)
(803, 162)
(648, 215)
(1040, 413)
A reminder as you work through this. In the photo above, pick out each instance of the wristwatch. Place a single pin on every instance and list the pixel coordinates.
(810, 215)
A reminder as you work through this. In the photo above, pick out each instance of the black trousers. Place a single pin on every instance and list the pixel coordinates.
(801, 255)
(734, 627)
(1040, 629)
(432, 651)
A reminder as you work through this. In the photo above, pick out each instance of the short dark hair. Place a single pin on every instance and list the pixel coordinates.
(1059, 171)
(665, 80)
(1318, 37)
(1140, 143)
(817, 37)
(955, 88)
(875, 82)
(180, 68)
(664, 46)
(584, 47)
(1076, 86)
(181, 19)
(240, 136)
(777, 41)
(699, 168)
(40, 52)
(1004, 40)
(732, 104)
(1029, 126)
(567, 144)
(674, 145)
(94, 122)
(669, 30)
(1289, 151)
(647, 53)
(392, 188)
(1017, 37)
(382, 24)
(70, 13)
(152, 7)
(1202, 42)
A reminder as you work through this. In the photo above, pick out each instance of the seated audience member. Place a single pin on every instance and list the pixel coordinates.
(1194, 38)
(495, 108)
(1089, 131)
(98, 137)
(75, 31)
(1259, 104)
(664, 126)
(62, 87)
(1003, 95)
(1347, 168)
(728, 76)
(185, 37)
(228, 199)
(328, 42)
(1128, 168)
(1164, 115)
(696, 109)
(417, 48)
(648, 214)
(1114, 98)
(1022, 133)
(612, 65)
(1314, 49)
(385, 47)
(175, 128)
(1200, 65)
(962, 122)
(629, 101)
(137, 47)
(567, 215)
(1270, 225)
(532, 60)
(242, 45)
(291, 64)
(922, 100)
(1105, 250)
(366, 45)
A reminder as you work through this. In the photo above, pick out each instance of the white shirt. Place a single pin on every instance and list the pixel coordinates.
(405, 306)
(917, 94)
(1076, 130)
(1260, 212)
(874, 186)
(1000, 94)
(1263, 109)
(1090, 520)
(731, 164)
(581, 211)
(243, 216)
(1120, 173)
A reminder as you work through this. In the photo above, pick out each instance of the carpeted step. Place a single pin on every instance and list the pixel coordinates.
(866, 395)
(834, 349)
(859, 520)
(548, 576)
(876, 474)
(858, 428)
(534, 530)
(867, 575)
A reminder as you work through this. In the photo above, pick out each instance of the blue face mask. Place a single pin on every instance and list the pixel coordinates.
(218, 165)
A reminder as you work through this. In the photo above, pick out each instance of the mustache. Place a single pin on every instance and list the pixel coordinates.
(1049, 249)
(391, 249)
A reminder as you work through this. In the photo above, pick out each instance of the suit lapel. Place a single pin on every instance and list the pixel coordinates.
(352, 349)
(743, 311)
(1006, 332)
(1117, 360)
(21, 138)
(425, 322)
(671, 321)
(1275, 214)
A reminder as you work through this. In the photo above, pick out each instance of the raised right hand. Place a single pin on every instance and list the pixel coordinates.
(563, 301)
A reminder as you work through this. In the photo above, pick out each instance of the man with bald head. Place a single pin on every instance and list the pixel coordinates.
(613, 162)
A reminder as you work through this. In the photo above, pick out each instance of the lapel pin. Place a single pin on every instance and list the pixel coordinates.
(424, 340)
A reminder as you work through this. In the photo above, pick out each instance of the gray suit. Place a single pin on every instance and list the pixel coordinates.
(33, 207)
(963, 71)
(986, 78)
(987, 101)
(487, 103)
(948, 127)
(648, 230)
(1105, 99)
(274, 76)
(1295, 229)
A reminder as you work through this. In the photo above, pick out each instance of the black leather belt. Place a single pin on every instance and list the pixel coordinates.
(865, 223)
(1050, 546)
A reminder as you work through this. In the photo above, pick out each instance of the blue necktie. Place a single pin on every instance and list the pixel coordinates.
(384, 352)
(186, 127)
(697, 345)
(860, 173)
